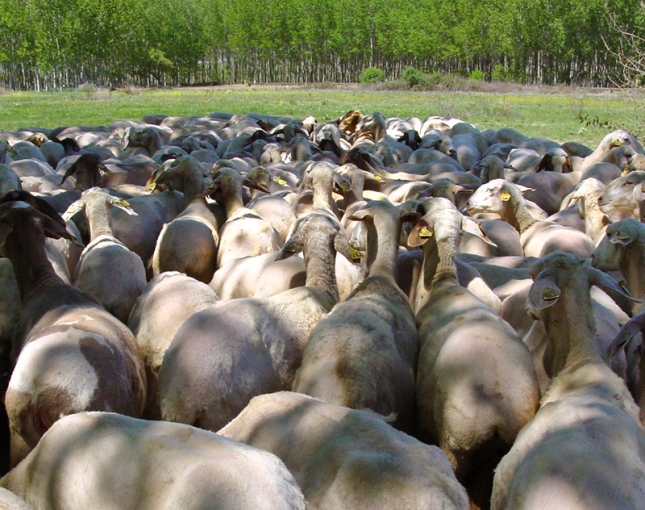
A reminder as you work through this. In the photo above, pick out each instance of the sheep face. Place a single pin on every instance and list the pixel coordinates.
(619, 235)
(489, 198)
(619, 193)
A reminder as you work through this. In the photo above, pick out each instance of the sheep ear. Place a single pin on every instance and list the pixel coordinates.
(255, 185)
(124, 205)
(524, 189)
(472, 227)
(343, 247)
(420, 233)
(342, 182)
(621, 238)
(631, 332)
(70, 171)
(544, 292)
(72, 209)
(361, 215)
(609, 285)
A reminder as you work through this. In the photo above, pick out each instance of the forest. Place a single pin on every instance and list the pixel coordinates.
(57, 44)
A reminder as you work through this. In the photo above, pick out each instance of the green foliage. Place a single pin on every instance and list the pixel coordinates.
(499, 73)
(372, 75)
(413, 76)
(477, 74)
(62, 43)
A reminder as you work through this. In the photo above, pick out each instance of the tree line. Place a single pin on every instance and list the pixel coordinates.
(54, 44)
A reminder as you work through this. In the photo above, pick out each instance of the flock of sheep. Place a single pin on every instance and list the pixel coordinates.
(259, 312)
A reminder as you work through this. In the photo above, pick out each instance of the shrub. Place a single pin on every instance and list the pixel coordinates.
(413, 76)
(372, 75)
(499, 73)
(477, 74)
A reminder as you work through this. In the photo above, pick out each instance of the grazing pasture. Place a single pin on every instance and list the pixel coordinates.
(562, 114)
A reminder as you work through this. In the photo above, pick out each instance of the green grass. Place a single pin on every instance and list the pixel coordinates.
(582, 116)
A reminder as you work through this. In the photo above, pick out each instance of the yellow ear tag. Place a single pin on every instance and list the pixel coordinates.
(345, 186)
(378, 178)
(642, 188)
(624, 172)
(355, 252)
(616, 143)
(281, 181)
(124, 203)
(549, 294)
(621, 236)
(425, 232)
(151, 187)
(506, 196)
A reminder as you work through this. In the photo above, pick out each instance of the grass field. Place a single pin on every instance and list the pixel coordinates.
(563, 115)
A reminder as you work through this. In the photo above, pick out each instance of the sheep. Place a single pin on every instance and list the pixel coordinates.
(617, 200)
(586, 196)
(537, 237)
(163, 306)
(9, 501)
(105, 460)
(244, 232)
(585, 447)
(258, 276)
(363, 354)
(9, 179)
(224, 355)
(270, 207)
(73, 355)
(467, 150)
(491, 167)
(614, 139)
(107, 270)
(556, 160)
(467, 354)
(622, 249)
(188, 243)
(345, 458)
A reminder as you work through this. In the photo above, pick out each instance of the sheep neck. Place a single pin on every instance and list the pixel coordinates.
(517, 214)
(232, 201)
(323, 195)
(439, 262)
(632, 267)
(98, 217)
(25, 249)
(382, 247)
(320, 260)
(570, 332)
(192, 186)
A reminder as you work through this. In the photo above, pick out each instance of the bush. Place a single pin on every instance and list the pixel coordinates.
(413, 76)
(499, 73)
(477, 74)
(372, 75)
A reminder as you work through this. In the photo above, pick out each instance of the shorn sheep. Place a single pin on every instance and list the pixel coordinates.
(226, 354)
(107, 460)
(467, 356)
(346, 458)
(363, 354)
(585, 448)
(73, 355)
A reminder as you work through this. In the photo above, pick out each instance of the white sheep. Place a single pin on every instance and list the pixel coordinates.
(467, 356)
(72, 355)
(623, 248)
(189, 242)
(107, 270)
(244, 233)
(345, 458)
(585, 447)
(106, 460)
(226, 354)
(163, 306)
(537, 237)
(363, 354)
